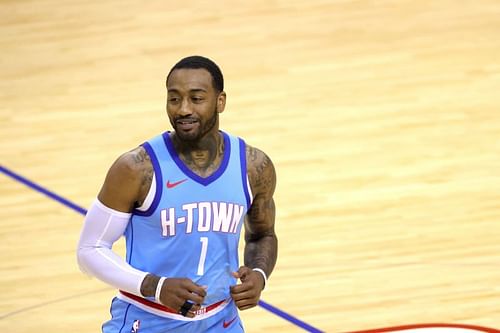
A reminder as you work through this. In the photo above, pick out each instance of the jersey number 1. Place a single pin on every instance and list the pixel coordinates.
(203, 255)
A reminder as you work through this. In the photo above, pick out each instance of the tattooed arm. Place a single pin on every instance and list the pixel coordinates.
(107, 219)
(261, 243)
(125, 187)
(128, 181)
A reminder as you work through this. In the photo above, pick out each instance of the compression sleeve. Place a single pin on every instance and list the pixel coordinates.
(102, 227)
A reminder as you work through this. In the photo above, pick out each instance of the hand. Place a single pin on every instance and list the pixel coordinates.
(176, 291)
(247, 294)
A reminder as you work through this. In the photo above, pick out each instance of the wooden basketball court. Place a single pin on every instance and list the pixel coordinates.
(382, 119)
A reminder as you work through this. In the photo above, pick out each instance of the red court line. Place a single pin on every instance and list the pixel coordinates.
(423, 326)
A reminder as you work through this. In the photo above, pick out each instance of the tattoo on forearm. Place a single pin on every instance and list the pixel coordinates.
(262, 253)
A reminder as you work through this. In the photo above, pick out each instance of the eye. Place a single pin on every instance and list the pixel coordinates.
(197, 99)
(173, 99)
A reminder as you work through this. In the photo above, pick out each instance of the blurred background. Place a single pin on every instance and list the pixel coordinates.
(381, 117)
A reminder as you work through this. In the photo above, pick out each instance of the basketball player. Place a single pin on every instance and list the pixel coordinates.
(181, 199)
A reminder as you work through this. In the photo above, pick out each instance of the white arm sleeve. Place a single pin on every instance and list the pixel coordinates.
(102, 227)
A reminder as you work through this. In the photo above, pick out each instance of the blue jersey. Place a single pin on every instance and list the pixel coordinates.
(193, 225)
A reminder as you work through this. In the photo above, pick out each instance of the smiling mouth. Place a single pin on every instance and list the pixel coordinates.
(186, 125)
(186, 121)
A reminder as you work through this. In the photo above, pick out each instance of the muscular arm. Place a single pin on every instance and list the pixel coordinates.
(261, 243)
(128, 181)
(126, 185)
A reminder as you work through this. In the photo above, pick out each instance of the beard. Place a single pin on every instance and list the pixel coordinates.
(198, 133)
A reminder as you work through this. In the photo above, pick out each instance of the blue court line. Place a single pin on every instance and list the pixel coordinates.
(82, 211)
(42, 190)
(290, 318)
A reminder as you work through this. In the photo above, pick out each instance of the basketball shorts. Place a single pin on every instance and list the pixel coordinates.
(127, 318)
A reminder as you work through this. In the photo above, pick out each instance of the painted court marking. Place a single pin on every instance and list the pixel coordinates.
(75, 207)
(419, 328)
(57, 300)
(434, 328)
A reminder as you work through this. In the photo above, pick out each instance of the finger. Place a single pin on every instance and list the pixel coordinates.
(176, 302)
(192, 297)
(192, 312)
(246, 304)
(240, 288)
(195, 308)
(240, 273)
(243, 272)
(194, 288)
(185, 308)
(244, 295)
(247, 307)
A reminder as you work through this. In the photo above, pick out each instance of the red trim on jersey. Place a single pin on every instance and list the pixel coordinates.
(163, 307)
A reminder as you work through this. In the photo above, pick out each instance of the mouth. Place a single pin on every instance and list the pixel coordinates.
(186, 124)
(186, 121)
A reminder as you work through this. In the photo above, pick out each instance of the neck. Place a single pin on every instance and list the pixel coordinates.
(202, 156)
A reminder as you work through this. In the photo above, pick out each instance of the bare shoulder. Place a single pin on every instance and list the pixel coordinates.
(261, 171)
(128, 180)
(132, 164)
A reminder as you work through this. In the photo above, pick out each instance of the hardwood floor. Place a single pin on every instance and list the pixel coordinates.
(381, 117)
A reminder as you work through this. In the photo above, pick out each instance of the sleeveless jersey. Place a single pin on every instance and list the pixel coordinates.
(193, 225)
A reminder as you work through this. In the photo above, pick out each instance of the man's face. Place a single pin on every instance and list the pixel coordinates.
(193, 104)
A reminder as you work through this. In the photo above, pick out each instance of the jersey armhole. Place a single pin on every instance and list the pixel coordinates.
(148, 201)
(245, 180)
(154, 194)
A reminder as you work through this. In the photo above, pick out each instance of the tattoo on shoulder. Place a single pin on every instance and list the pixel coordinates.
(264, 163)
(251, 153)
(141, 162)
(140, 155)
(147, 170)
(261, 170)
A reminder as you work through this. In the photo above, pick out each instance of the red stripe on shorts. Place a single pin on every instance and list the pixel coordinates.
(163, 307)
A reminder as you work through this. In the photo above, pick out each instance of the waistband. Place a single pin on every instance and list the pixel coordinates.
(167, 312)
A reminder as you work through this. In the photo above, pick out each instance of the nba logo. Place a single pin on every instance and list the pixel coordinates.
(135, 326)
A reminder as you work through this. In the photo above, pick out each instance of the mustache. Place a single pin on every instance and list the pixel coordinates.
(185, 119)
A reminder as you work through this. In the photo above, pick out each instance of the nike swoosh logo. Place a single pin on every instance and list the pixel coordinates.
(172, 185)
(226, 324)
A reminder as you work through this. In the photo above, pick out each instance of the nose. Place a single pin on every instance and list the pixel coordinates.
(185, 108)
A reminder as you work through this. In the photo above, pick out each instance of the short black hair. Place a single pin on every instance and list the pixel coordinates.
(195, 62)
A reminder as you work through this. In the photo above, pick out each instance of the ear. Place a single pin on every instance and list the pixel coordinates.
(221, 102)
